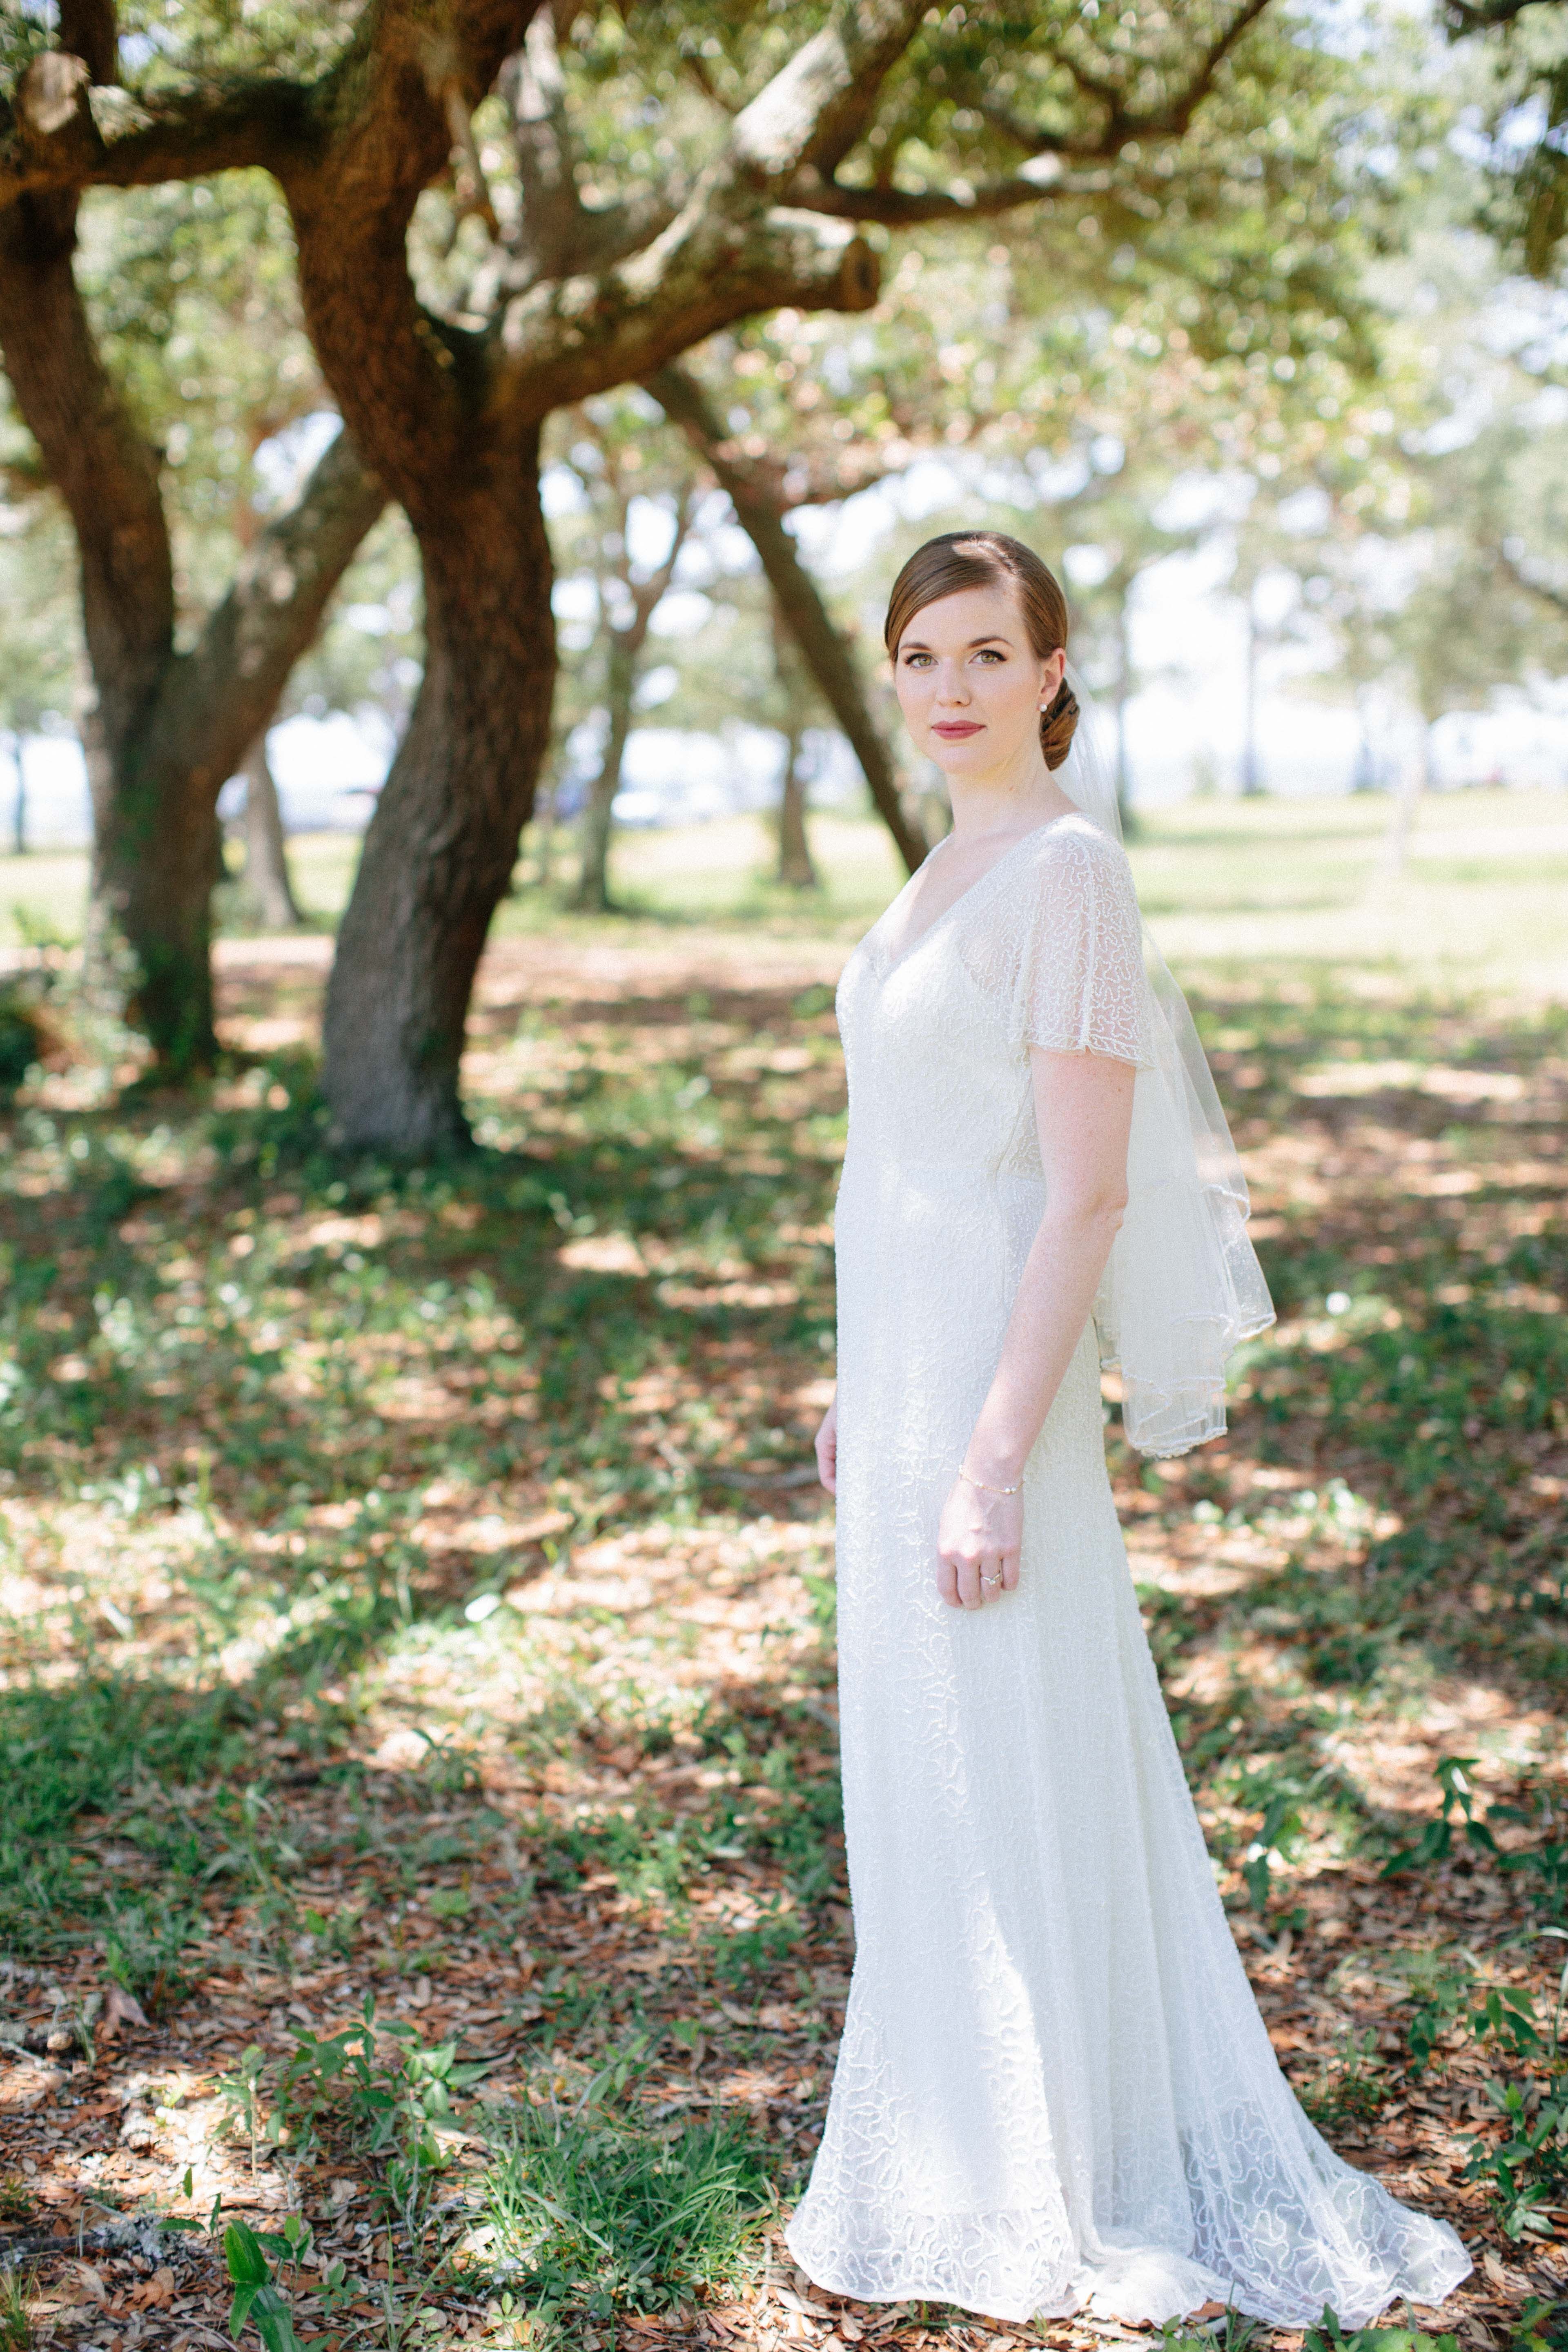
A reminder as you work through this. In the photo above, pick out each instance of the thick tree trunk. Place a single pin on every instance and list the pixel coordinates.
(157, 854)
(267, 879)
(440, 853)
(597, 822)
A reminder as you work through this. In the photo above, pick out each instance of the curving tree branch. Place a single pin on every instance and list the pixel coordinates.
(761, 511)
(217, 697)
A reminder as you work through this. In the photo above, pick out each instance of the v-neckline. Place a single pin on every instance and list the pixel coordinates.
(968, 892)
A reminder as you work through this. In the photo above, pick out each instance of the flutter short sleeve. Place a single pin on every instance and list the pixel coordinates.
(1080, 986)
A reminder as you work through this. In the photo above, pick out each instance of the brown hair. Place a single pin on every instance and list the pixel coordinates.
(984, 559)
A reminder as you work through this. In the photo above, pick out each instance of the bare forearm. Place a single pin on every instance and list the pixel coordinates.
(1055, 1295)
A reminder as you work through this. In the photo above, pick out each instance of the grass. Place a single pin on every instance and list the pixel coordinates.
(411, 1589)
(17, 2330)
(1266, 883)
(599, 2209)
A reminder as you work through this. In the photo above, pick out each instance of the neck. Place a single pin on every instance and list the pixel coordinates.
(1014, 798)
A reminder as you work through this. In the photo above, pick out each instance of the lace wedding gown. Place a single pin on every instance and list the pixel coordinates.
(1054, 2086)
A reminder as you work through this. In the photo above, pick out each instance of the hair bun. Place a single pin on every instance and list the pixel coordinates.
(1058, 724)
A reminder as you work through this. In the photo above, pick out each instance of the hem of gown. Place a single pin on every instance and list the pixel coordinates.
(1150, 2284)
(1121, 2288)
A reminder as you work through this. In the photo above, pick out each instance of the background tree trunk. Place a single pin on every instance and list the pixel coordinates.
(597, 822)
(157, 855)
(439, 852)
(155, 778)
(266, 851)
(823, 646)
(1251, 757)
(19, 806)
(795, 869)
(1124, 808)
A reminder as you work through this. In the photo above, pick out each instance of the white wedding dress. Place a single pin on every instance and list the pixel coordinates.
(1054, 2086)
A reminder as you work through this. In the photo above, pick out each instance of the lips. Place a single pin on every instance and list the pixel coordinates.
(954, 728)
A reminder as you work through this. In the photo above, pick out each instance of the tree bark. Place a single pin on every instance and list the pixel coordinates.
(439, 852)
(166, 729)
(823, 646)
(156, 844)
(266, 878)
(593, 892)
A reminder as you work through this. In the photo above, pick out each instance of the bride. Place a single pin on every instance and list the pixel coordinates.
(1054, 2088)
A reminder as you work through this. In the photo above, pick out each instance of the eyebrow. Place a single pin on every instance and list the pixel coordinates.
(992, 637)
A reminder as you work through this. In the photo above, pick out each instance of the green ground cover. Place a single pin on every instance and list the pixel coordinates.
(415, 1591)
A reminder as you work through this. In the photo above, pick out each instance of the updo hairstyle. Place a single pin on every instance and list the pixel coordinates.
(987, 559)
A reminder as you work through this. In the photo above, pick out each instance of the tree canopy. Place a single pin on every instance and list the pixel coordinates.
(498, 210)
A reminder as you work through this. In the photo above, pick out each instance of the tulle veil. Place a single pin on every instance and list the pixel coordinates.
(1183, 1288)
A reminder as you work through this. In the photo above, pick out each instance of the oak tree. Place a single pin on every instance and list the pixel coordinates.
(634, 183)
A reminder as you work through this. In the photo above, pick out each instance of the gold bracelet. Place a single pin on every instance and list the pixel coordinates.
(985, 1488)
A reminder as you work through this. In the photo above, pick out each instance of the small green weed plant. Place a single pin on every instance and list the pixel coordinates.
(259, 2300)
(16, 2318)
(1329, 2335)
(1526, 2171)
(603, 2213)
(1456, 1813)
(376, 2089)
(1351, 2089)
(264, 2268)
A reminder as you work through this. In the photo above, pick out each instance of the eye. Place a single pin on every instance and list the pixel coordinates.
(992, 654)
(916, 660)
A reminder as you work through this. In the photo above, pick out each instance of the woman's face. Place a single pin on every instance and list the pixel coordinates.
(971, 686)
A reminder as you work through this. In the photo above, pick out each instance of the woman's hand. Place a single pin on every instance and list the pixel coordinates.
(827, 1447)
(978, 1539)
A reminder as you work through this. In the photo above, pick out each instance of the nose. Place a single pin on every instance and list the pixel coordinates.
(951, 686)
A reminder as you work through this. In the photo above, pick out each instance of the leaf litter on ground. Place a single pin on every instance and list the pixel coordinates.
(419, 1680)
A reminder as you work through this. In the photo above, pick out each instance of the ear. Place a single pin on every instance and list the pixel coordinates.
(1051, 677)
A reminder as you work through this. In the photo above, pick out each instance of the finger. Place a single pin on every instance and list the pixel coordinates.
(1010, 1565)
(969, 1590)
(947, 1581)
(990, 1578)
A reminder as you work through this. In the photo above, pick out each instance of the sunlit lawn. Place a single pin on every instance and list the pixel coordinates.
(1267, 881)
(415, 1586)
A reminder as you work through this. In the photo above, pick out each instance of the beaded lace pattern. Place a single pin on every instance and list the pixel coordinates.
(1054, 2088)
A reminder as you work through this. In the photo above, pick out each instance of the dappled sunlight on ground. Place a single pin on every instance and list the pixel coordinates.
(416, 1589)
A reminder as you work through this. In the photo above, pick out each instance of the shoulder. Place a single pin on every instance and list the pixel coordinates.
(1073, 854)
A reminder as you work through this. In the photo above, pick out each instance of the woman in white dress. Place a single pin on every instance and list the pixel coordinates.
(1054, 2088)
